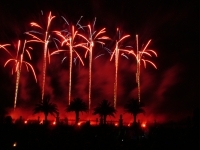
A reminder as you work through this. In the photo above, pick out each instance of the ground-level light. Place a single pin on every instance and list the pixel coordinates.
(143, 125)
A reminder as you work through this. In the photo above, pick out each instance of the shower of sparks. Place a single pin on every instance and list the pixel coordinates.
(45, 40)
(69, 40)
(93, 37)
(139, 57)
(18, 61)
(116, 53)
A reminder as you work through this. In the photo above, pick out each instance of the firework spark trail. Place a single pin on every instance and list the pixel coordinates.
(18, 70)
(69, 41)
(138, 55)
(18, 65)
(138, 68)
(90, 74)
(116, 53)
(4, 48)
(44, 66)
(45, 41)
(70, 66)
(93, 37)
(116, 73)
(139, 58)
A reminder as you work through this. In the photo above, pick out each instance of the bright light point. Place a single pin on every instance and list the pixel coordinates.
(41, 122)
(25, 122)
(79, 124)
(129, 125)
(143, 125)
(116, 124)
(54, 123)
(14, 144)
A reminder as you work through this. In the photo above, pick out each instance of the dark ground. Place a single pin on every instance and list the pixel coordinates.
(158, 136)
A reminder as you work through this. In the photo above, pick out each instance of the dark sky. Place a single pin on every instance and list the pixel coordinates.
(170, 92)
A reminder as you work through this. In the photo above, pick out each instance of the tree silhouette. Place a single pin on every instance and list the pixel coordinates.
(104, 109)
(77, 105)
(134, 107)
(46, 107)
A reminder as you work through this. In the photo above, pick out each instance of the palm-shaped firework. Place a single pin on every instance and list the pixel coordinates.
(116, 52)
(17, 66)
(68, 38)
(93, 37)
(139, 57)
(43, 36)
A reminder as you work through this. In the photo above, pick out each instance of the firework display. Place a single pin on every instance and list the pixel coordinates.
(71, 40)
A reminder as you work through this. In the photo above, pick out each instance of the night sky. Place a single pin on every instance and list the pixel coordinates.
(169, 93)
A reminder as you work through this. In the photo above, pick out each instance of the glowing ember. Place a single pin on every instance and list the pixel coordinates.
(143, 125)
(54, 123)
(14, 144)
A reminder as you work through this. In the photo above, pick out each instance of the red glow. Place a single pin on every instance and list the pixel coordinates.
(54, 123)
(93, 123)
(25, 122)
(79, 124)
(143, 125)
(26, 114)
